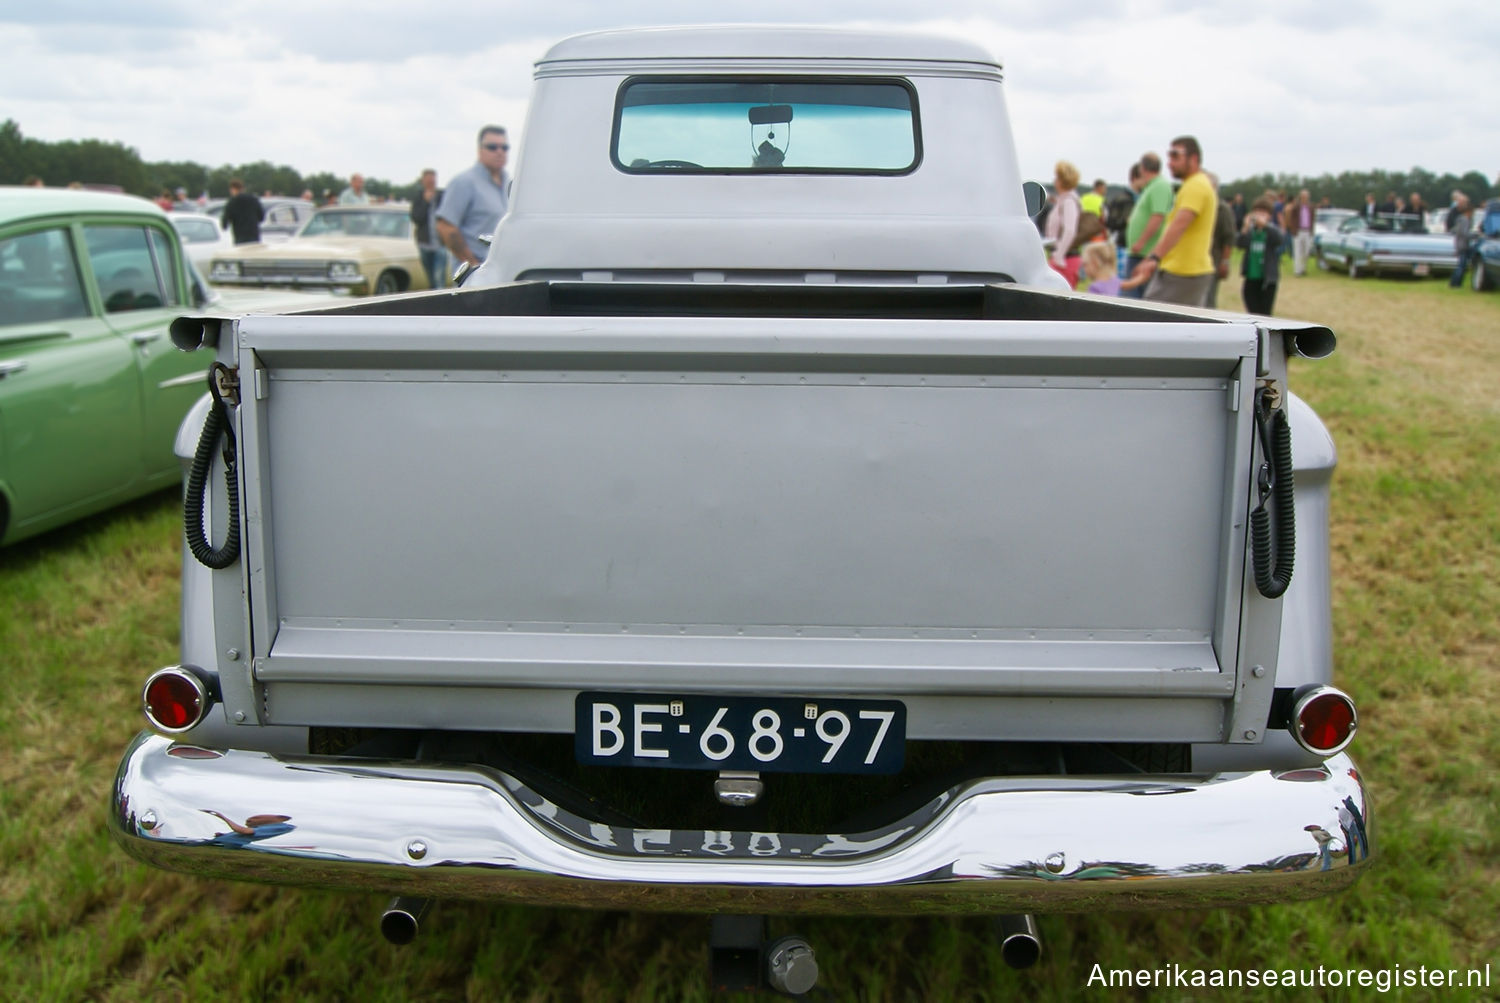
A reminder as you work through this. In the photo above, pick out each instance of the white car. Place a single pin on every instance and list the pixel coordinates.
(1328, 220)
(202, 237)
(284, 216)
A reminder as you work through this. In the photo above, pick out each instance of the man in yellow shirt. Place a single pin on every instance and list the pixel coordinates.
(1181, 267)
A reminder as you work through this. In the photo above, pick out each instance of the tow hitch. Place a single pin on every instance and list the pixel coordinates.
(740, 959)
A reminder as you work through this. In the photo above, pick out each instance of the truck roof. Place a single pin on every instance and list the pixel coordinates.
(777, 42)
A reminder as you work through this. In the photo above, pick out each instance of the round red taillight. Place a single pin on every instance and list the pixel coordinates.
(1324, 720)
(175, 700)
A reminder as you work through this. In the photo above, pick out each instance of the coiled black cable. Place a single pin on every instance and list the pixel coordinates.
(1273, 565)
(214, 425)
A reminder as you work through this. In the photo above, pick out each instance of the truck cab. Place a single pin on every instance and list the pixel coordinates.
(822, 156)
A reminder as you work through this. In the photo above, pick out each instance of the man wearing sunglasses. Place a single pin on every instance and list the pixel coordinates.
(476, 199)
(1181, 267)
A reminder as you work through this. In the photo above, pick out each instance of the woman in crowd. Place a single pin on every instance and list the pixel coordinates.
(1062, 223)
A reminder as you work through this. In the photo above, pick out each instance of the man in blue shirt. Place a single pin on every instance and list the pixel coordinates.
(476, 199)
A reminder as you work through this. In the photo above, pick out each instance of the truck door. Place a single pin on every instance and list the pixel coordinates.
(138, 269)
(69, 396)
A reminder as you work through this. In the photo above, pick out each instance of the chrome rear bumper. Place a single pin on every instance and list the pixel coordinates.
(1039, 844)
(1406, 262)
(291, 281)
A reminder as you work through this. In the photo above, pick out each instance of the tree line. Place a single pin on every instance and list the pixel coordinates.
(1348, 189)
(96, 162)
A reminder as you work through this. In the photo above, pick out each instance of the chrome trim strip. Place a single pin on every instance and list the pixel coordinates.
(188, 379)
(1057, 844)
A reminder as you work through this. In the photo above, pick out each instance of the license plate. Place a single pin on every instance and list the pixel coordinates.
(769, 734)
(1421, 269)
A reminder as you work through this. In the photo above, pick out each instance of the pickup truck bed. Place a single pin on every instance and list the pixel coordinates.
(486, 514)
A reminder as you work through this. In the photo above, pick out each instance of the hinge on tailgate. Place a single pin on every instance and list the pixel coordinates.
(227, 382)
(1272, 393)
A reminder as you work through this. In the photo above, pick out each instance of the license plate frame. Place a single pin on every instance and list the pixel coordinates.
(1421, 268)
(688, 731)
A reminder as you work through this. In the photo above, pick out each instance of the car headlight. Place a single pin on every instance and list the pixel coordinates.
(344, 270)
(224, 270)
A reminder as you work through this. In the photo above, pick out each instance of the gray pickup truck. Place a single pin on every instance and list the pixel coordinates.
(762, 529)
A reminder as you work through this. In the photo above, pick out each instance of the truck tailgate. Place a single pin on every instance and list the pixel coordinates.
(893, 507)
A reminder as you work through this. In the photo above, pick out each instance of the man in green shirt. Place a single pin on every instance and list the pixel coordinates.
(1148, 216)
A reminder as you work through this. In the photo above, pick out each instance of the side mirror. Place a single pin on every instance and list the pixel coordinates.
(201, 292)
(1036, 197)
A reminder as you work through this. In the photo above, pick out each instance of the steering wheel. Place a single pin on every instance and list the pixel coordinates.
(674, 163)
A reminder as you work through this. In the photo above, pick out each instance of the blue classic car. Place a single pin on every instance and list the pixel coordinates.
(1393, 244)
(1486, 249)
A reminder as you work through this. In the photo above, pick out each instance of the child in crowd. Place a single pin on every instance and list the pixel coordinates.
(1099, 266)
(1261, 264)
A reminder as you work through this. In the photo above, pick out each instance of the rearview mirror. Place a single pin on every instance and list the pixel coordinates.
(771, 114)
(1036, 197)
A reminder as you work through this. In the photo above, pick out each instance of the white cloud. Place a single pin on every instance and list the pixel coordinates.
(384, 88)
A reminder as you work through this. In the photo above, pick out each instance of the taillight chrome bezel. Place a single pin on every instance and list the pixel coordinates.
(1302, 699)
(202, 693)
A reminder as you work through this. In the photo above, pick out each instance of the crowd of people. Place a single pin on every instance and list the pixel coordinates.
(1175, 245)
(1165, 243)
(451, 226)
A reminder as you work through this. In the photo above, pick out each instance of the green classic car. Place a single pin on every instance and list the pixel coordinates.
(91, 388)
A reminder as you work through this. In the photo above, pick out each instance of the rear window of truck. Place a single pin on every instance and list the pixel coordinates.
(719, 125)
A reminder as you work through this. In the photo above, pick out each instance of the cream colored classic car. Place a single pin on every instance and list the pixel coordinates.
(362, 249)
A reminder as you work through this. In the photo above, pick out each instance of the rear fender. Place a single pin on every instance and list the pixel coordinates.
(200, 634)
(1306, 646)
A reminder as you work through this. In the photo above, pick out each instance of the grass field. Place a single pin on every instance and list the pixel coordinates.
(1413, 399)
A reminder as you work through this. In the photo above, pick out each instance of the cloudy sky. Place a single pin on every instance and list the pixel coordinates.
(384, 88)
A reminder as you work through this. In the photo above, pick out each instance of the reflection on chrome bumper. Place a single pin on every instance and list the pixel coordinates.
(1049, 844)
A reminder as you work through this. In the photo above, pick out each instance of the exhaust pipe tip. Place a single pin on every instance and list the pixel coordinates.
(402, 918)
(1020, 941)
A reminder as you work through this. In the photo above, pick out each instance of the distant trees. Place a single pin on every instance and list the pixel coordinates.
(91, 161)
(94, 162)
(1348, 189)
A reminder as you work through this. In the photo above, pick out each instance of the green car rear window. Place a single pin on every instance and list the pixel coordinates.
(133, 266)
(39, 279)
